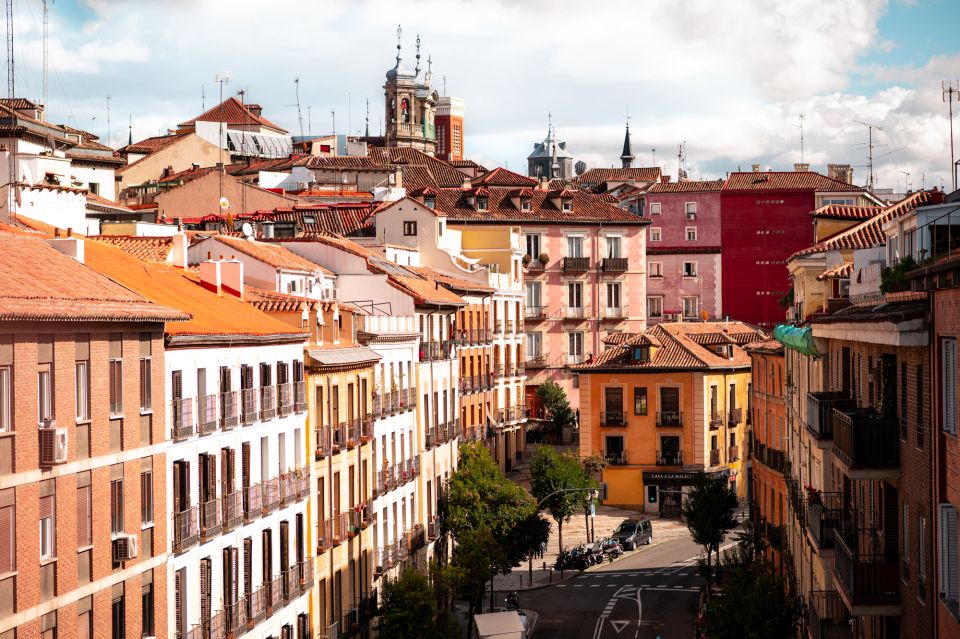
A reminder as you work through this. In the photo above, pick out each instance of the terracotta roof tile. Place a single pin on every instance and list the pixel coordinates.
(467, 164)
(450, 280)
(503, 177)
(594, 177)
(42, 284)
(586, 208)
(691, 186)
(232, 111)
(151, 249)
(765, 346)
(340, 218)
(785, 180)
(149, 145)
(270, 301)
(837, 272)
(846, 212)
(271, 254)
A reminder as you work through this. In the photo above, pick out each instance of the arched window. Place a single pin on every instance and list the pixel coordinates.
(404, 111)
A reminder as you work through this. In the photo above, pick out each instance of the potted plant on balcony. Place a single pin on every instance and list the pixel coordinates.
(813, 495)
(527, 259)
(543, 258)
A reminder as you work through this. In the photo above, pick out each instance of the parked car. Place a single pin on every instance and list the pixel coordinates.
(633, 532)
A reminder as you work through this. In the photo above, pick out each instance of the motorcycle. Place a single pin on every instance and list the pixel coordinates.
(611, 548)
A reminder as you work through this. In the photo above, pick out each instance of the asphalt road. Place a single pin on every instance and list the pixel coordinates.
(650, 593)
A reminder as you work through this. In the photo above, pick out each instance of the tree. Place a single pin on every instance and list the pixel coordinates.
(557, 406)
(755, 602)
(708, 511)
(409, 609)
(551, 473)
(495, 522)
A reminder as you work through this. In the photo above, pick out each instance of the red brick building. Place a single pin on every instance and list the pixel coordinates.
(82, 484)
(765, 218)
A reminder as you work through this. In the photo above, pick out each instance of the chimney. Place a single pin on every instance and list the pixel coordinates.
(70, 246)
(544, 183)
(756, 168)
(210, 276)
(664, 179)
(179, 253)
(231, 276)
(467, 182)
(255, 109)
(801, 167)
(167, 172)
(841, 172)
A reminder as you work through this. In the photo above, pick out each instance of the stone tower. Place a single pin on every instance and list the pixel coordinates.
(410, 105)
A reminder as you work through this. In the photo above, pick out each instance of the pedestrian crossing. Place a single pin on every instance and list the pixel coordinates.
(654, 587)
(682, 571)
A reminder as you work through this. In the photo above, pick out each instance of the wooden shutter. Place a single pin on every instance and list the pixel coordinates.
(949, 385)
(245, 464)
(949, 553)
(234, 572)
(211, 477)
(225, 381)
(205, 578)
(247, 566)
(113, 387)
(281, 373)
(116, 505)
(227, 463)
(264, 374)
(177, 506)
(84, 506)
(177, 384)
(180, 594)
(7, 536)
(284, 545)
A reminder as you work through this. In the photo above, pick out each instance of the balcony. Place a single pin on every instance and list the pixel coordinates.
(824, 511)
(252, 502)
(248, 405)
(207, 414)
(576, 264)
(232, 510)
(511, 326)
(614, 312)
(575, 313)
(733, 453)
(865, 442)
(773, 534)
(299, 396)
(322, 447)
(618, 458)
(614, 264)
(181, 418)
(229, 404)
(820, 409)
(536, 361)
(285, 399)
(185, 530)
(669, 418)
(734, 417)
(288, 488)
(535, 312)
(670, 458)
(866, 569)
(715, 457)
(270, 495)
(827, 617)
(613, 418)
(716, 421)
(268, 403)
(210, 524)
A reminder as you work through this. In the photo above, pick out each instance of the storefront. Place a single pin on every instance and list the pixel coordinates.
(664, 491)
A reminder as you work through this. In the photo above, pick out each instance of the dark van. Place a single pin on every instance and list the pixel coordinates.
(633, 532)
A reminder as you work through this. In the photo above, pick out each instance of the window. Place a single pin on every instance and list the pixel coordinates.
(691, 210)
(146, 610)
(118, 623)
(948, 383)
(534, 345)
(48, 548)
(116, 506)
(574, 246)
(613, 405)
(640, 400)
(309, 219)
(655, 306)
(613, 295)
(575, 346)
(575, 295)
(410, 229)
(116, 387)
(6, 398)
(146, 498)
(670, 407)
(691, 306)
(691, 233)
(84, 517)
(482, 203)
(524, 205)
(146, 385)
(533, 294)
(8, 540)
(613, 246)
(440, 228)
(949, 553)
(922, 548)
(837, 200)
(566, 206)
(689, 269)
(655, 269)
(905, 528)
(83, 391)
(655, 208)
(655, 235)
(44, 393)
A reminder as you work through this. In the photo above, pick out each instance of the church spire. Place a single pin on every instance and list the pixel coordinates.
(626, 158)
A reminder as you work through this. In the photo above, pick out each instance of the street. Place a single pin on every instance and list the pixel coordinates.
(650, 593)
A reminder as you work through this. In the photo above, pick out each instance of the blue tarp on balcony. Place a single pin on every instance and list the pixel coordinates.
(799, 338)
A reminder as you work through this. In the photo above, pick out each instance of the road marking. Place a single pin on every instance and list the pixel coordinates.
(619, 624)
(594, 585)
(561, 585)
(578, 585)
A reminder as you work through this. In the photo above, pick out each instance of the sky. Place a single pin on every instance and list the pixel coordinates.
(729, 79)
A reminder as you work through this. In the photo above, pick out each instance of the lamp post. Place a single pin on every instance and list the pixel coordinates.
(593, 494)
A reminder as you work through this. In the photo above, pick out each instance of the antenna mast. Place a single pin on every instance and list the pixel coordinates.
(46, 49)
(951, 92)
(870, 128)
(108, 120)
(11, 85)
(12, 189)
(296, 86)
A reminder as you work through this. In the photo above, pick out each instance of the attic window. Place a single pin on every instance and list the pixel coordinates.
(725, 350)
(429, 200)
(641, 353)
(481, 204)
(410, 229)
(567, 206)
(309, 219)
(525, 205)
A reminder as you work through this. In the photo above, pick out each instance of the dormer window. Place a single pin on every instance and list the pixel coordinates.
(429, 201)
(481, 203)
(309, 219)
(725, 350)
(567, 206)
(525, 205)
(641, 354)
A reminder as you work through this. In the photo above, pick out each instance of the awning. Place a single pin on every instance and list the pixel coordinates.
(798, 338)
(342, 356)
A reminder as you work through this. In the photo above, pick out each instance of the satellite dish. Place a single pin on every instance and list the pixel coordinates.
(580, 167)
(224, 203)
(247, 229)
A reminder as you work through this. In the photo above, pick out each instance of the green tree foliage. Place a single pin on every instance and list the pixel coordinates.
(708, 511)
(755, 602)
(409, 609)
(894, 278)
(495, 522)
(551, 472)
(557, 406)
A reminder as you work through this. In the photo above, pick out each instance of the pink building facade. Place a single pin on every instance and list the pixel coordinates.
(683, 253)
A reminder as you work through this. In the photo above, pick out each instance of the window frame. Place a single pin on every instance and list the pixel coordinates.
(409, 228)
(115, 382)
(683, 300)
(116, 507)
(574, 241)
(147, 513)
(690, 233)
(82, 389)
(614, 245)
(655, 208)
(659, 300)
(692, 272)
(45, 391)
(48, 532)
(146, 385)
(641, 400)
(948, 384)
(656, 234)
(656, 273)
(6, 399)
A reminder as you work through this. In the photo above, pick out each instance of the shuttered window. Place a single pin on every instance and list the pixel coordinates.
(116, 387)
(83, 391)
(44, 393)
(8, 536)
(6, 398)
(949, 553)
(47, 534)
(116, 506)
(922, 548)
(205, 596)
(948, 383)
(247, 567)
(146, 385)
(84, 517)
(146, 498)
(180, 597)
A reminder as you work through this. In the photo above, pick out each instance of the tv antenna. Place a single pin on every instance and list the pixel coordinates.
(951, 93)
(800, 126)
(653, 151)
(682, 161)
(870, 128)
(222, 80)
(108, 119)
(11, 84)
(46, 50)
(296, 88)
(906, 181)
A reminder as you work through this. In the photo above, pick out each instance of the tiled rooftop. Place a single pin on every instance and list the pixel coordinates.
(785, 181)
(691, 186)
(151, 249)
(232, 111)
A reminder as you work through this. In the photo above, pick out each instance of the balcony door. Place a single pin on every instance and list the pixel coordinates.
(613, 405)
(670, 405)
(670, 451)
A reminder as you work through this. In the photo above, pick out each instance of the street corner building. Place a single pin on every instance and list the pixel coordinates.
(665, 404)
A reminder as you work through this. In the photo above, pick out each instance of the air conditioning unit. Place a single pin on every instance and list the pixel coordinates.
(125, 547)
(671, 317)
(691, 216)
(53, 445)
